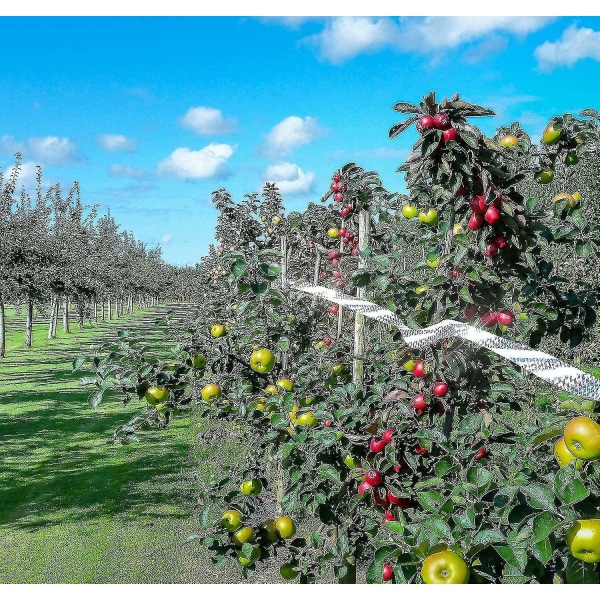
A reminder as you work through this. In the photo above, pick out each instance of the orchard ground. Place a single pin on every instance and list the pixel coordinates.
(74, 507)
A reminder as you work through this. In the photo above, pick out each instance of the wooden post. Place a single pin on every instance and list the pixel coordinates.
(364, 240)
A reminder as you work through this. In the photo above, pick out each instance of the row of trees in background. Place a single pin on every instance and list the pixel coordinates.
(56, 254)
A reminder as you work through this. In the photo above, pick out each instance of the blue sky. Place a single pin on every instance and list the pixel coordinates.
(151, 115)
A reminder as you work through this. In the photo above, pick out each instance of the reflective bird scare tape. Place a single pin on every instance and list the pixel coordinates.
(542, 365)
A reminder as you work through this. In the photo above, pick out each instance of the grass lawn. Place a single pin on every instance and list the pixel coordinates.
(74, 507)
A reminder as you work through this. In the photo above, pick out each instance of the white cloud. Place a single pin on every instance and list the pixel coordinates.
(576, 43)
(166, 239)
(346, 37)
(125, 172)
(54, 150)
(207, 121)
(197, 164)
(116, 143)
(288, 135)
(290, 179)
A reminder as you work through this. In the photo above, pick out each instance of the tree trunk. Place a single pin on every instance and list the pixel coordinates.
(102, 309)
(29, 323)
(55, 317)
(2, 328)
(364, 237)
(95, 311)
(80, 314)
(51, 327)
(66, 315)
(109, 308)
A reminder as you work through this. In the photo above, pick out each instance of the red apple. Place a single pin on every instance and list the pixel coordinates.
(387, 572)
(492, 215)
(344, 212)
(338, 197)
(441, 121)
(322, 275)
(420, 450)
(387, 435)
(335, 186)
(478, 205)
(489, 319)
(388, 516)
(505, 317)
(476, 221)
(450, 134)
(470, 311)
(426, 122)
(355, 252)
(380, 498)
(373, 477)
(327, 342)
(377, 445)
(440, 389)
(420, 369)
(336, 178)
(461, 191)
(481, 453)
(334, 309)
(491, 249)
(342, 232)
(501, 242)
(456, 274)
(364, 487)
(333, 255)
(419, 402)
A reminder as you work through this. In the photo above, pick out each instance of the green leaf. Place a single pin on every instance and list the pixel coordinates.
(375, 569)
(540, 496)
(543, 525)
(568, 487)
(517, 557)
(430, 500)
(438, 526)
(487, 537)
(394, 526)
(270, 270)
(95, 398)
(465, 294)
(579, 571)
(479, 476)
(360, 278)
(327, 471)
(406, 107)
(239, 268)
(583, 248)
(465, 519)
(542, 550)
(78, 362)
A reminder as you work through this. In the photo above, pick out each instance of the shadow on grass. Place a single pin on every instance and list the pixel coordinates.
(60, 464)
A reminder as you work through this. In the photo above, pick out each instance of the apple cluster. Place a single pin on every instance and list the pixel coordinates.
(338, 188)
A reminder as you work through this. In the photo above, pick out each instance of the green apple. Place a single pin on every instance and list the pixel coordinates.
(243, 535)
(217, 331)
(251, 487)
(430, 217)
(551, 135)
(433, 260)
(583, 540)
(262, 361)
(409, 211)
(231, 520)
(285, 384)
(199, 361)
(157, 394)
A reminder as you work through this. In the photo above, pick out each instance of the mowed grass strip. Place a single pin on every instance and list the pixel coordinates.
(74, 507)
